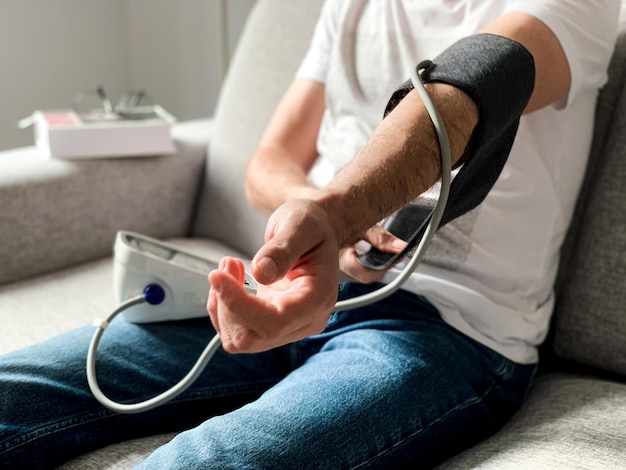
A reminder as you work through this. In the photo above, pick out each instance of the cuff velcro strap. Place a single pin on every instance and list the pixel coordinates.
(498, 74)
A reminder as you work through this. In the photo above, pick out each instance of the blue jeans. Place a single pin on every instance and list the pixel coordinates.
(385, 386)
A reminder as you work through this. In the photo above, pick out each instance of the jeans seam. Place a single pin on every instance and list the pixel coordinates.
(459, 406)
(200, 393)
(11, 444)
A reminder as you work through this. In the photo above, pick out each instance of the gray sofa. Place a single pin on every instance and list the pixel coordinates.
(58, 220)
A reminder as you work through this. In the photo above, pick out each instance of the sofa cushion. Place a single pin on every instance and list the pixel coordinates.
(59, 213)
(568, 422)
(122, 456)
(273, 42)
(590, 315)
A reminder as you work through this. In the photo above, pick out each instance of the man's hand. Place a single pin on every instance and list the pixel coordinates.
(297, 271)
(379, 238)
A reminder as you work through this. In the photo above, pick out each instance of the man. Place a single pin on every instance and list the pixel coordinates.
(432, 369)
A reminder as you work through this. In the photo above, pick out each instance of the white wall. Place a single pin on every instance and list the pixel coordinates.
(49, 50)
(175, 49)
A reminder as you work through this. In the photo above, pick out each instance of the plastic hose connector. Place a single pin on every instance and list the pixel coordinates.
(154, 294)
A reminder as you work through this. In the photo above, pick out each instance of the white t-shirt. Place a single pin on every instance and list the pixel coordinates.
(490, 272)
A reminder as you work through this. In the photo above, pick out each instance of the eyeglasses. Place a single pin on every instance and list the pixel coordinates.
(97, 101)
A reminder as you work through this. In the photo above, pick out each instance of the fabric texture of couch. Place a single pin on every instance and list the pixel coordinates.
(58, 221)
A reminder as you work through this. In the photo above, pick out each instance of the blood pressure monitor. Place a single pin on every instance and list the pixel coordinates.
(141, 261)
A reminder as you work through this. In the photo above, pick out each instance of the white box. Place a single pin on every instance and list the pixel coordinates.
(67, 134)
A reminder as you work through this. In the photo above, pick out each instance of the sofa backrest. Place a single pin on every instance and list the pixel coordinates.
(271, 47)
(590, 316)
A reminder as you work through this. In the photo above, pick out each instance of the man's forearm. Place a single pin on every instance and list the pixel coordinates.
(273, 178)
(278, 170)
(400, 161)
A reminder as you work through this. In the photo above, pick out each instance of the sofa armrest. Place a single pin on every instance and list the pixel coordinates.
(58, 213)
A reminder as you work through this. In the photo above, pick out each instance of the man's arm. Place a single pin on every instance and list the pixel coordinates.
(377, 186)
(278, 169)
(552, 72)
(399, 162)
(277, 172)
(297, 266)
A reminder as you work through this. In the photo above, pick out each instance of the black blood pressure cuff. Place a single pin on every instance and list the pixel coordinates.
(498, 74)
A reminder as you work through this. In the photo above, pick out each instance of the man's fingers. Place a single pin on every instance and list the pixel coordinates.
(384, 240)
(227, 282)
(229, 304)
(351, 266)
(235, 268)
(229, 274)
(293, 231)
(266, 268)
